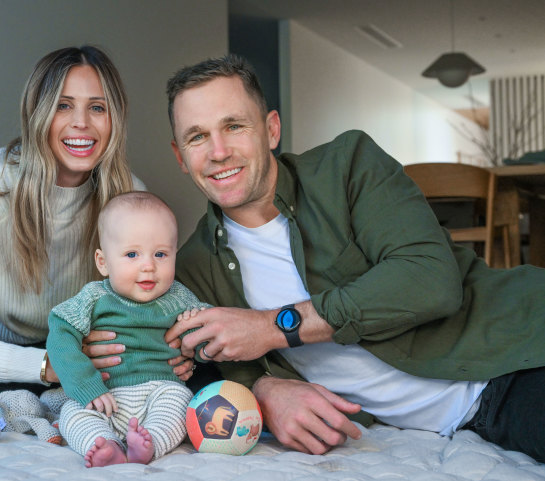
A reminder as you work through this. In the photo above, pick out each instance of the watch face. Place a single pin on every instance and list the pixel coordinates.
(288, 320)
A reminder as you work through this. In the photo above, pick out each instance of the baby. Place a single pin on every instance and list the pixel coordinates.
(143, 402)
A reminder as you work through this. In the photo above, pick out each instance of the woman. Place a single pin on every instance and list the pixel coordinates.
(69, 161)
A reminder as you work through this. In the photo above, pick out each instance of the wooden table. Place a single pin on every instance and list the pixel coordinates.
(521, 188)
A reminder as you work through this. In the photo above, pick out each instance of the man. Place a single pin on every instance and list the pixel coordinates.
(336, 272)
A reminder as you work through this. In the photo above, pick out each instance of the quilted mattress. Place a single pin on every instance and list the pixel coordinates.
(383, 453)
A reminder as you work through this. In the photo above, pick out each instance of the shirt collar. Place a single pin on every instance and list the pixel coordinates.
(215, 225)
(286, 187)
(284, 200)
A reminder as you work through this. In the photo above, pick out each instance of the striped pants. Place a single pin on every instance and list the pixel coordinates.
(159, 406)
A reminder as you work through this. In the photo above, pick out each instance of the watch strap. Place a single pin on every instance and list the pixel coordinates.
(293, 338)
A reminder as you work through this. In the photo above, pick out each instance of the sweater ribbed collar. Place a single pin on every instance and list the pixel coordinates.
(65, 202)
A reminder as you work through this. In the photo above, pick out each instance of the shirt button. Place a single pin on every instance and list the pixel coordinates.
(231, 265)
(220, 233)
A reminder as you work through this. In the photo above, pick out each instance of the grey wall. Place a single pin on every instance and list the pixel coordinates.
(148, 41)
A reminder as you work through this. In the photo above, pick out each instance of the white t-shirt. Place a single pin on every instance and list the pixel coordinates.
(271, 280)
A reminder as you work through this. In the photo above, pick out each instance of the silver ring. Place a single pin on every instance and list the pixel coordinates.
(193, 367)
(205, 353)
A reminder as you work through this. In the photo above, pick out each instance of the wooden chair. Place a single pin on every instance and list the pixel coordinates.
(440, 181)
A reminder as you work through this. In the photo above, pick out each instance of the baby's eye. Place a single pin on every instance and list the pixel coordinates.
(131, 255)
(160, 254)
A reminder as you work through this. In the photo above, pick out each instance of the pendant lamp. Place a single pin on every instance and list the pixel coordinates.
(453, 69)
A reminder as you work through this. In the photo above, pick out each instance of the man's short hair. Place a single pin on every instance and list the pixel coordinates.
(203, 72)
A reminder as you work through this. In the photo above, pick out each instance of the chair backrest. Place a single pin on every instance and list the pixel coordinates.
(440, 180)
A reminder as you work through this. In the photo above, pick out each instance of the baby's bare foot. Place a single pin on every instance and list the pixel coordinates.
(139, 443)
(104, 453)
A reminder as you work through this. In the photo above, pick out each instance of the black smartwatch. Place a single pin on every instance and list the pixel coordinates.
(288, 321)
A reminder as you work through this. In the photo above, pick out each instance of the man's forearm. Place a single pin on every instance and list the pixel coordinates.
(313, 328)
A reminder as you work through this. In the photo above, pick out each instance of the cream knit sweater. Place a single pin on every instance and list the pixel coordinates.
(23, 315)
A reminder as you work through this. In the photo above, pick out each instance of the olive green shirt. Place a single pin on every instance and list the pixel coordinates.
(381, 271)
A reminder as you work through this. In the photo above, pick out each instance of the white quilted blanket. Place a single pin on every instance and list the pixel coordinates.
(384, 453)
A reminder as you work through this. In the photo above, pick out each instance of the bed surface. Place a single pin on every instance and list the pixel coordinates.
(384, 453)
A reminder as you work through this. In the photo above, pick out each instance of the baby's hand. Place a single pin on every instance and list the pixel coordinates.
(187, 315)
(104, 403)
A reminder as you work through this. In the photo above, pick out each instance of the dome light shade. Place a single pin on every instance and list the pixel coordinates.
(453, 69)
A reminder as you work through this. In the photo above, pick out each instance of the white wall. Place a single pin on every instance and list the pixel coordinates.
(148, 41)
(332, 91)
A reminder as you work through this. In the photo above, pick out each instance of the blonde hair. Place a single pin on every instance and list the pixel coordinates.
(38, 167)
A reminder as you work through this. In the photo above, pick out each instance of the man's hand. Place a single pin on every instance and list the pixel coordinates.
(305, 416)
(185, 370)
(104, 403)
(183, 366)
(232, 334)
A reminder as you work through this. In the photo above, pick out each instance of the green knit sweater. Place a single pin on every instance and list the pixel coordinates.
(139, 326)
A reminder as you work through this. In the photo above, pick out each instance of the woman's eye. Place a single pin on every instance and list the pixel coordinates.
(98, 108)
(131, 255)
(63, 107)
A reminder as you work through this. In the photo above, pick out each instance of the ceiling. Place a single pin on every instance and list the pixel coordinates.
(507, 37)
